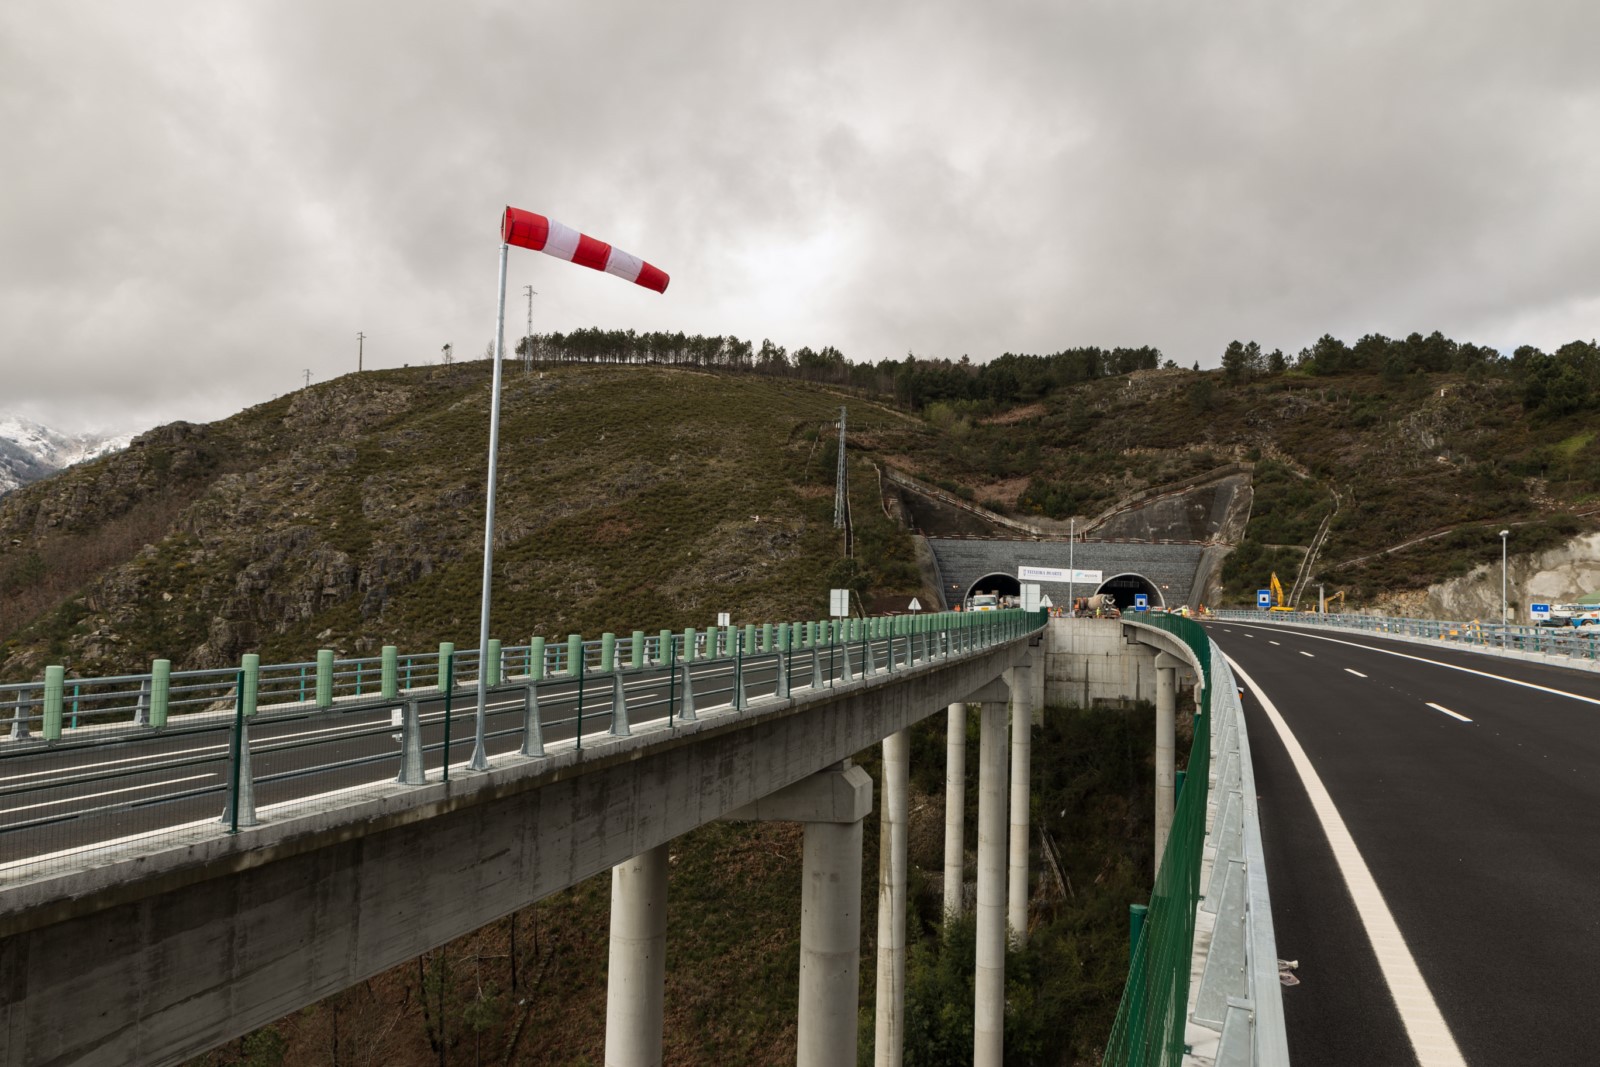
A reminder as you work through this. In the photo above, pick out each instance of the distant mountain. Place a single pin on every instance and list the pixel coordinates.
(29, 451)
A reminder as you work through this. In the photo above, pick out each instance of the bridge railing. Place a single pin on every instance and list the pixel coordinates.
(1239, 1002)
(1572, 642)
(280, 740)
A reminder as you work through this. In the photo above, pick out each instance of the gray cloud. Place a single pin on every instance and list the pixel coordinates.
(203, 203)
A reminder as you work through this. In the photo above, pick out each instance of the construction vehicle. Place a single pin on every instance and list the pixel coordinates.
(1277, 595)
(1337, 598)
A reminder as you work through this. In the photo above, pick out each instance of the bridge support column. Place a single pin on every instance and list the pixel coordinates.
(989, 978)
(832, 804)
(955, 808)
(1021, 682)
(1166, 715)
(891, 1000)
(637, 975)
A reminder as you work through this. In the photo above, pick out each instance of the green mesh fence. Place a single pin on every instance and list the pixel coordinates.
(1151, 1019)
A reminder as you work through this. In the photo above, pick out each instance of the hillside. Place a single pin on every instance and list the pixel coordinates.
(351, 514)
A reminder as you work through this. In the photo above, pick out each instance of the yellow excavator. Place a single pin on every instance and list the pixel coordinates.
(1337, 598)
(1277, 595)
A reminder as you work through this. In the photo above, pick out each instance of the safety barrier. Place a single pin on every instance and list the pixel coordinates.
(1571, 642)
(1239, 998)
(93, 764)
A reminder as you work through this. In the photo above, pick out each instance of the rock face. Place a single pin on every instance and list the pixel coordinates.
(1556, 576)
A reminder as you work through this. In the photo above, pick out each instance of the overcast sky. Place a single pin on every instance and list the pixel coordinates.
(202, 201)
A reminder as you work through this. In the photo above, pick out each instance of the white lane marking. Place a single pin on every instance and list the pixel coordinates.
(1425, 1026)
(1307, 654)
(78, 768)
(1350, 670)
(1270, 641)
(112, 792)
(1454, 667)
(1447, 711)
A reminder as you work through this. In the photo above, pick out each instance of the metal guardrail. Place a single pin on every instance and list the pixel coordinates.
(103, 762)
(1239, 997)
(1572, 642)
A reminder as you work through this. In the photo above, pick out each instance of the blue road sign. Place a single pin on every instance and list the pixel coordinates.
(1141, 602)
(1263, 598)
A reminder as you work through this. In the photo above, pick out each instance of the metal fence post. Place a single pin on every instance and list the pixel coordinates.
(19, 716)
(686, 711)
(160, 690)
(491, 668)
(391, 672)
(447, 683)
(636, 656)
(54, 686)
(250, 681)
(619, 707)
(324, 677)
(608, 652)
(536, 659)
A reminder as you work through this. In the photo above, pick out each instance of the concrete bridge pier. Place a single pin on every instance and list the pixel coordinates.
(636, 978)
(889, 1040)
(1020, 680)
(989, 978)
(1166, 715)
(832, 804)
(955, 788)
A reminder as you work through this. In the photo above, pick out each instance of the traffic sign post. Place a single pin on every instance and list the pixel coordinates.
(1263, 599)
(1141, 602)
(1540, 614)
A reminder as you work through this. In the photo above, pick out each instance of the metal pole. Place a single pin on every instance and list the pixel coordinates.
(1072, 545)
(480, 759)
(1503, 534)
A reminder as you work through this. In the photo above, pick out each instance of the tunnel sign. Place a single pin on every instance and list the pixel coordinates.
(1141, 602)
(1263, 598)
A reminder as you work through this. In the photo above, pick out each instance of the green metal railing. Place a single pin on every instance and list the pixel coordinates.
(1151, 1019)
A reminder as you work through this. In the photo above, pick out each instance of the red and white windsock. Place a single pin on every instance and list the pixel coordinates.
(527, 230)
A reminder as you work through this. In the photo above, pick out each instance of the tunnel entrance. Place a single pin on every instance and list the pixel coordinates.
(998, 583)
(1124, 587)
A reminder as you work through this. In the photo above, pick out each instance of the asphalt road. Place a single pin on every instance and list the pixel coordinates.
(62, 804)
(1480, 836)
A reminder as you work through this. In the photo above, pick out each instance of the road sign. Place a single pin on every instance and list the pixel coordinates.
(1540, 612)
(1141, 602)
(915, 605)
(839, 603)
(1043, 574)
(1263, 598)
(724, 618)
(1030, 596)
(1044, 602)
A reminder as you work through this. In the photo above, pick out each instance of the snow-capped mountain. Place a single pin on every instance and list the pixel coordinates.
(29, 451)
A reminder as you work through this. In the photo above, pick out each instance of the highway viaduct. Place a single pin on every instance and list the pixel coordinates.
(160, 955)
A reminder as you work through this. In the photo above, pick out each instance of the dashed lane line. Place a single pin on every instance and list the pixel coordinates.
(1447, 711)
(1429, 1034)
(1351, 670)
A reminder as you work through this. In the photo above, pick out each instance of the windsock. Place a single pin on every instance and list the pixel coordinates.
(527, 230)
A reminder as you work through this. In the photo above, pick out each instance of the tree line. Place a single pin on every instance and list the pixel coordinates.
(1558, 383)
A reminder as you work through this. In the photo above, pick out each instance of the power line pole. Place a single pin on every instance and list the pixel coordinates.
(361, 340)
(308, 379)
(527, 353)
(838, 490)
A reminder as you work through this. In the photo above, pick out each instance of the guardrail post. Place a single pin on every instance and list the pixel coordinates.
(688, 644)
(782, 692)
(54, 690)
(575, 655)
(412, 771)
(664, 648)
(766, 637)
(686, 704)
(749, 637)
(741, 699)
(619, 708)
(636, 660)
(250, 681)
(324, 677)
(491, 666)
(390, 685)
(240, 809)
(869, 662)
(160, 691)
(141, 704)
(19, 716)
(608, 652)
(447, 684)
(536, 659)
(532, 730)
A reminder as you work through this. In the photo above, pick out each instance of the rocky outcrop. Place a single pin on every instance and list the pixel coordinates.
(1556, 576)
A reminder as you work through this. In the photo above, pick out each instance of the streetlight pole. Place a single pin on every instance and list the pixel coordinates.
(1503, 535)
(480, 758)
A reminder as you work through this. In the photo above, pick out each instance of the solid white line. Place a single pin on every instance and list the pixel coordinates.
(78, 768)
(1451, 666)
(1425, 1026)
(1304, 653)
(1447, 711)
(1350, 670)
(112, 792)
